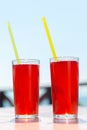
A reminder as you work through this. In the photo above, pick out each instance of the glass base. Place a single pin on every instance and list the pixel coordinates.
(26, 118)
(65, 118)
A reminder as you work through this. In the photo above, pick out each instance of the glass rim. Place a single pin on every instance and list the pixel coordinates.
(64, 58)
(25, 61)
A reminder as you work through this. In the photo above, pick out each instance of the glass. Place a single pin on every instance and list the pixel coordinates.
(26, 88)
(64, 82)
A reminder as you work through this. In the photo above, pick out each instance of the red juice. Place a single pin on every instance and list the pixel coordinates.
(64, 80)
(26, 88)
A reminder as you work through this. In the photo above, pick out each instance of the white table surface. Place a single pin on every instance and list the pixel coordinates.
(45, 122)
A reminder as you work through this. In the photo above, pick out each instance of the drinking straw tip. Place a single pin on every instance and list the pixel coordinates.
(8, 23)
(43, 19)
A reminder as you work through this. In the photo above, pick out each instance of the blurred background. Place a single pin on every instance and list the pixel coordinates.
(67, 23)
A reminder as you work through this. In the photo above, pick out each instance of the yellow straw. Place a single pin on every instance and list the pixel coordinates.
(13, 43)
(49, 38)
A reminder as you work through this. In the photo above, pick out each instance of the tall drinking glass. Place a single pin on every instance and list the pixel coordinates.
(26, 88)
(64, 82)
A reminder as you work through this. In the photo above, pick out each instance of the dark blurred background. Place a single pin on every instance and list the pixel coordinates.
(6, 96)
